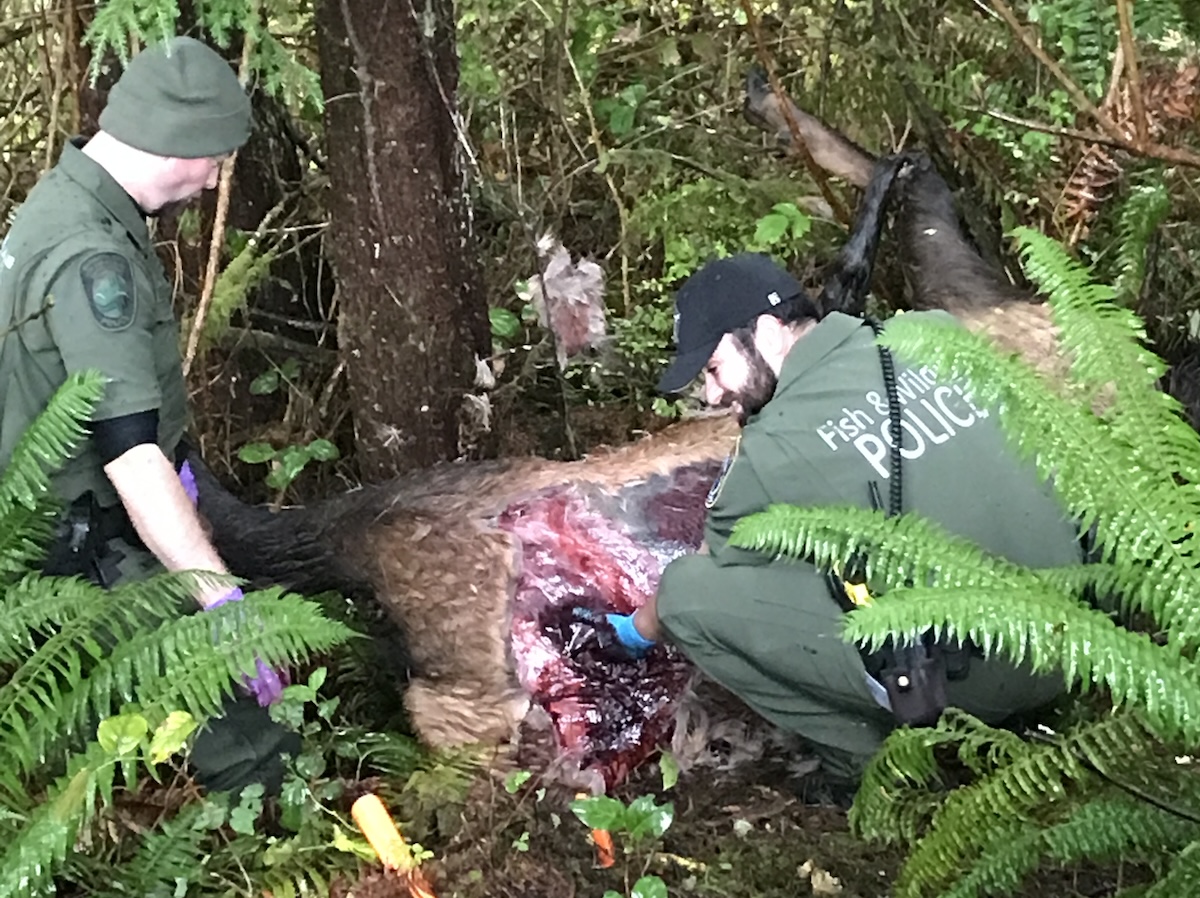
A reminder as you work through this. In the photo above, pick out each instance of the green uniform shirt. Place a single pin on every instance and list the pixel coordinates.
(769, 629)
(81, 287)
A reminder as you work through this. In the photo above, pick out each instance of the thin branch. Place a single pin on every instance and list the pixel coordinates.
(218, 232)
(1135, 83)
(1158, 151)
(797, 139)
(1073, 90)
(54, 63)
(1057, 130)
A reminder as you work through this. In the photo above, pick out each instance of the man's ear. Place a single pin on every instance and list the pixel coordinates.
(770, 334)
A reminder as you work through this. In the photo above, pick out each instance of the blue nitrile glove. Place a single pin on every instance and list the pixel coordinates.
(268, 685)
(628, 634)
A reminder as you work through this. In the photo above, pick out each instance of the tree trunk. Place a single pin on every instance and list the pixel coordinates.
(413, 312)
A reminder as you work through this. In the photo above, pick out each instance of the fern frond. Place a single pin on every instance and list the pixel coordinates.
(24, 534)
(50, 830)
(1107, 344)
(166, 854)
(1183, 876)
(31, 701)
(898, 550)
(1141, 214)
(1040, 779)
(889, 805)
(189, 663)
(1139, 518)
(53, 438)
(896, 797)
(1110, 826)
(1053, 633)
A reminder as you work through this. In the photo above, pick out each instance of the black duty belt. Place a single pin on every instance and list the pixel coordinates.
(82, 537)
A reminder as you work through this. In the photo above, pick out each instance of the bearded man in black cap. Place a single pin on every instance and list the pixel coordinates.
(813, 406)
(81, 288)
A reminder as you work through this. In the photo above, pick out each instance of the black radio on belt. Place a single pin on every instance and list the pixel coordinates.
(914, 676)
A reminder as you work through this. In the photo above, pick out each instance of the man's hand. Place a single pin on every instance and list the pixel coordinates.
(627, 633)
(161, 506)
(622, 624)
(268, 684)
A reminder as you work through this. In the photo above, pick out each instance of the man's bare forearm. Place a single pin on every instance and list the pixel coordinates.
(163, 515)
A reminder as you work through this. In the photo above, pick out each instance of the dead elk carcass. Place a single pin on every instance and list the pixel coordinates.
(479, 565)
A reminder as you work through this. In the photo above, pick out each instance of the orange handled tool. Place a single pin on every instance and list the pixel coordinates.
(380, 830)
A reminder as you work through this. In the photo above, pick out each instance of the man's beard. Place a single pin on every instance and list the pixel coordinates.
(760, 385)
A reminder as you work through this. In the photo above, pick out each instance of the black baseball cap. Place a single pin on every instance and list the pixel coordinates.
(720, 297)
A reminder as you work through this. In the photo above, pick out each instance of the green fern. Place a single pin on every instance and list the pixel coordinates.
(279, 70)
(1111, 826)
(49, 442)
(1123, 461)
(77, 654)
(1141, 214)
(1039, 780)
(1140, 518)
(1182, 877)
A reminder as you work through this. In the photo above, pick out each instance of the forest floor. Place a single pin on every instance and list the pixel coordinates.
(751, 832)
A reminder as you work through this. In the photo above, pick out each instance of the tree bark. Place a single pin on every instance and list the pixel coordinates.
(413, 312)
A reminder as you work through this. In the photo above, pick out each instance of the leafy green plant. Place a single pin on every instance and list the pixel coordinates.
(639, 822)
(103, 679)
(646, 887)
(641, 819)
(287, 463)
(1111, 782)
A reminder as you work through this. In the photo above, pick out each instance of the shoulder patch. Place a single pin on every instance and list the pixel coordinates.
(715, 490)
(108, 284)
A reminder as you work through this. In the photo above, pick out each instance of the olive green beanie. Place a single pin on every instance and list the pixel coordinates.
(179, 99)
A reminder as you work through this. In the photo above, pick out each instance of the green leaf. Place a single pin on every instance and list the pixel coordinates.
(317, 678)
(267, 382)
(649, 887)
(322, 450)
(771, 228)
(171, 735)
(120, 736)
(256, 453)
(310, 764)
(358, 847)
(620, 122)
(645, 817)
(241, 820)
(290, 369)
(292, 462)
(670, 770)
(599, 812)
(505, 324)
(515, 780)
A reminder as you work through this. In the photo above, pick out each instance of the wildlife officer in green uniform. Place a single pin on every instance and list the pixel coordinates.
(81, 288)
(811, 399)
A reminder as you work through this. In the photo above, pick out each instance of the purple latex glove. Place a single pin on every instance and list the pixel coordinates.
(188, 478)
(268, 684)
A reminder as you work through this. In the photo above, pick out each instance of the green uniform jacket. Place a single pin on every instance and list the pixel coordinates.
(768, 629)
(80, 288)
